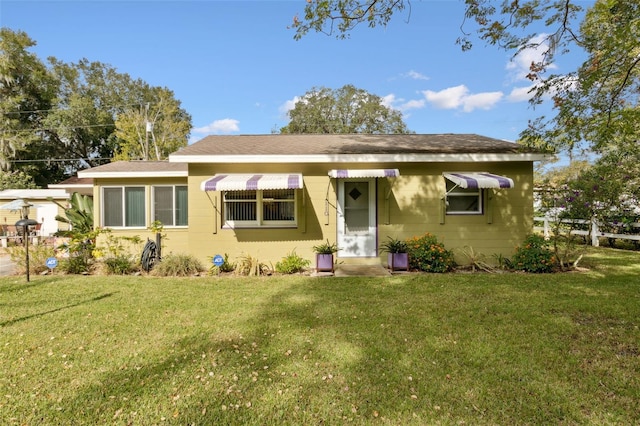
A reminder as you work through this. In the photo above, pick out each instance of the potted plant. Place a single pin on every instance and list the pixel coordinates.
(324, 256)
(397, 254)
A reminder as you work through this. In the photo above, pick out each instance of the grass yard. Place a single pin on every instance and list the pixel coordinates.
(408, 349)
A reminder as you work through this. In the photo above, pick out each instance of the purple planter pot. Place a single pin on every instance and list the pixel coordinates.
(324, 262)
(398, 261)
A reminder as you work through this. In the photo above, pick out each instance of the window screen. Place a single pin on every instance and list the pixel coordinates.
(463, 201)
(124, 206)
(274, 207)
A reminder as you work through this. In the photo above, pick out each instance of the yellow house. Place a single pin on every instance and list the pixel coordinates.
(129, 195)
(269, 195)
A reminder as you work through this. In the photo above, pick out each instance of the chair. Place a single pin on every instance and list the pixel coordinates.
(11, 230)
(35, 230)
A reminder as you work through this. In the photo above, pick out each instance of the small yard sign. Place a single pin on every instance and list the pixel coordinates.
(218, 260)
(52, 262)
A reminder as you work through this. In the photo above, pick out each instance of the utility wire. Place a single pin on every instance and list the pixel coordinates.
(70, 109)
(42, 129)
(47, 160)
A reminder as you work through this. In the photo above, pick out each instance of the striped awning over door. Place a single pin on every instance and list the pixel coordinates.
(363, 173)
(252, 182)
(475, 180)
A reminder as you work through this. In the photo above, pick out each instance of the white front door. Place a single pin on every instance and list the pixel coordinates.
(357, 234)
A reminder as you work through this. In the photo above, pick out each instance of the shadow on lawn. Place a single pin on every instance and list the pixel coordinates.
(330, 351)
(311, 356)
(306, 358)
(11, 285)
(39, 314)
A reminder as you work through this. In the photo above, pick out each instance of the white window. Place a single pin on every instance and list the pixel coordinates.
(124, 206)
(170, 205)
(463, 201)
(263, 208)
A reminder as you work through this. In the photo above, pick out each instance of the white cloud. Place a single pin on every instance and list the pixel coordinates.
(415, 104)
(389, 100)
(289, 105)
(450, 98)
(415, 75)
(226, 125)
(520, 94)
(458, 97)
(563, 84)
(484, 101)
(519, 66)
(569, 83)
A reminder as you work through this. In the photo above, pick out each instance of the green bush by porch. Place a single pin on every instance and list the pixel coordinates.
(427, 254)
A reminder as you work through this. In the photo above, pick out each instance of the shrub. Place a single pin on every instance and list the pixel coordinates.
(503, 262)
(534, 255)
(394, 246)
(81, 235)
(292, 264)
(476, 260)
(116, 254)
(81, 258)
(38, 255)
(326, 248)
(76, 264)
(428, 255)
(120, 265)
(249, 265)
(177, 265)
(225, 267)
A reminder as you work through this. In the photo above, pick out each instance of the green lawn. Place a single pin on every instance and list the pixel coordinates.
(408, 349)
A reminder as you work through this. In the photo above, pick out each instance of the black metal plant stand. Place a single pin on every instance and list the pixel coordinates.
(25, 224)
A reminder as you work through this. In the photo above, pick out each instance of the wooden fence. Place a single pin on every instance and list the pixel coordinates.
(593, 230)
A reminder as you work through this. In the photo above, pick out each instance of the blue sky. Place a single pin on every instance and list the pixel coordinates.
(236, 68)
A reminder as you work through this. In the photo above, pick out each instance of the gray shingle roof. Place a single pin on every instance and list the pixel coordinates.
(296, 147)
(73, 181)
(332, 144)
(139, 167)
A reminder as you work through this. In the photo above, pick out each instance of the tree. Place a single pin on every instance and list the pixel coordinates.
(608, 190)
(26, 93)
(16, 180)
(104, 113)
(345, 110)
(345, 14)
(61, 117)
(90, 95)
(167, 130)
(597, 104)
(497, 22)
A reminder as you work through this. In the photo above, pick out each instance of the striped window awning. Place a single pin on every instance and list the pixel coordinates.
(363, 173)
(252, 182)
(478, 180)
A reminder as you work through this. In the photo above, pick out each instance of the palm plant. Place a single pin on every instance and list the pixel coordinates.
(81, 233)
(79, 215)
(394, 246)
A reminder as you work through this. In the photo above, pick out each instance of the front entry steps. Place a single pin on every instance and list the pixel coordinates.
(361, 271)
(342, 270)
